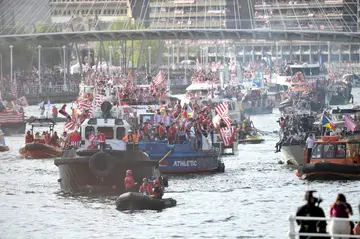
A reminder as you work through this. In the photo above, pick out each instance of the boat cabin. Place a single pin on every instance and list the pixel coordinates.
(333, 149)
(114, 130)
(42, 123)
(198, 91)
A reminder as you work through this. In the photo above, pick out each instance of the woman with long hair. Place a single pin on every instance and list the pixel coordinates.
(340, 209)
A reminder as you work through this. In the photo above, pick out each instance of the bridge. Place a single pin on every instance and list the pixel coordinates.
(62, 22)
(170, 34)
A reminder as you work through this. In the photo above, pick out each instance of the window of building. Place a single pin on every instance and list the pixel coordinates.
(122, 11)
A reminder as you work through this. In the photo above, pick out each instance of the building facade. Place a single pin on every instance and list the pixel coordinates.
(103, 10)
(194, 14)
(318, 15)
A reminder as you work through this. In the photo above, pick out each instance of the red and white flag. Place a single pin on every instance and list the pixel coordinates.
(10, 117)
(227, 135)
(97, 101)
(159, 78)
(72, 125)
(198, 66)
(223, 111)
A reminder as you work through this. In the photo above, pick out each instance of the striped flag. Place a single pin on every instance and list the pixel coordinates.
(198, 66)
(10, 117)
(223, 111)
(159, 78)
(97, 101)
(227, 135)
(72, 125)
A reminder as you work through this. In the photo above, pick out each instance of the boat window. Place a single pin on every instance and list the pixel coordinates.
(353, 150)
(108, 131)
(92, 121)
(120, 133)
(340, 151)
(317, 151)
(88, 131)
(231, 106)
(329, 151)
(119, 122)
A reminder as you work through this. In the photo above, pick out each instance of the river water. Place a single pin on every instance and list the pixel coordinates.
(252, 199)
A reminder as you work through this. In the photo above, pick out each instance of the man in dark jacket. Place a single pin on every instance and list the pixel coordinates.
(311, 210)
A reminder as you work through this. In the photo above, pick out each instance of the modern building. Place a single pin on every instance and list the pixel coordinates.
(194, 14)
(318, 15)
(103, 10)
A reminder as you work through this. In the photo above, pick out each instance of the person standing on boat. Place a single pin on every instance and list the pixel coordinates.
(172, 131)
(102, 139)
(54, 112)
(129, 181)
(310, 144)
(146, 188)
(311, 210)
(340, 209)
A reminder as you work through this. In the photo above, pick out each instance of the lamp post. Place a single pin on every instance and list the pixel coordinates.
(149, 48)
(277, 51)
(120, 59)
(186, 62)
(64, 66)
(173, 55)
(1, 66)
(329, 54)
(39, 67)
(168, 78)
(110, 55)
(11, 63)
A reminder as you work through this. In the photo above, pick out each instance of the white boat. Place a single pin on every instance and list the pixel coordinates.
(284, 78)
(198, 92)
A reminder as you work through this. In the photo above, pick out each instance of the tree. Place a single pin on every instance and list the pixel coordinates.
(141, 48)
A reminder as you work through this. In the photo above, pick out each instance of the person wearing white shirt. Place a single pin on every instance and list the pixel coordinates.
(309, 143)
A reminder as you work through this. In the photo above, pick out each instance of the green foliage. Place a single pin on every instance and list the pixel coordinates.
(141, 54)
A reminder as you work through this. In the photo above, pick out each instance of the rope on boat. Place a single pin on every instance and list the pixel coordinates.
(165, 156)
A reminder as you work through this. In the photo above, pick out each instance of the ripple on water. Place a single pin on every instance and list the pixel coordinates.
(254, 194)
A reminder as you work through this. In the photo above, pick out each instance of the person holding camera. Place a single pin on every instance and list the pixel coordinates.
(310, 209)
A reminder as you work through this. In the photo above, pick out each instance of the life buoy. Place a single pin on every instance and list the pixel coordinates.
(101, 164)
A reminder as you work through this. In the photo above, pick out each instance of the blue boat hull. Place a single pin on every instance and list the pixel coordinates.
(180, 158)
(258, 111)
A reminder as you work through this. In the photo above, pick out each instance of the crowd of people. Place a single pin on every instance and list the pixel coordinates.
(65, 141)
(294, 129)
(338, 209)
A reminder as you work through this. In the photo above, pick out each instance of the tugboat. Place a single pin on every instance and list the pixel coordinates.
(3, 146)
(333, 158)
(38, 148)
(101, 168)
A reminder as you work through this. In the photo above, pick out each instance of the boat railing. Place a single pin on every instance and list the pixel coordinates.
(292, 234)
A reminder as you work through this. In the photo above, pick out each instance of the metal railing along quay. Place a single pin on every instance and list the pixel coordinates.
(293, 233)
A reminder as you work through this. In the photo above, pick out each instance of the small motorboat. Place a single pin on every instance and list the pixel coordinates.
(251, 140)
(38, 149)
(332, 158)
(139, 201)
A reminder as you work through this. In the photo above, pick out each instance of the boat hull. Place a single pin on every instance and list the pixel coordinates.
(78, 175)
(13, 128)
(138, 201)
(181, 159)
(293, 154)
(40, 151)
(258, 111)
(330, 171)
(4, 148)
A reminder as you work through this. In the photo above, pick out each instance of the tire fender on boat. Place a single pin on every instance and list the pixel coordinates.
(101, 164)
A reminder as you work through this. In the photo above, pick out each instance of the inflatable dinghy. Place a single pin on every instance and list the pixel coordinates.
(139, 201)
(330, 171)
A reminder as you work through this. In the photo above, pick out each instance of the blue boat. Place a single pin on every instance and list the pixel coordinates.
(181, 158)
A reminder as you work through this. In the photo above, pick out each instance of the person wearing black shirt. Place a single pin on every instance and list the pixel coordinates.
(311, 210)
